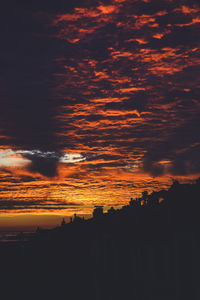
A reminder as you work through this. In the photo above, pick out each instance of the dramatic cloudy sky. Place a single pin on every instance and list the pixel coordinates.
(99, 101)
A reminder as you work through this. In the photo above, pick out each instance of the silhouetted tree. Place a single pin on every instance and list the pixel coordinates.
(145, 197)
(111, 211)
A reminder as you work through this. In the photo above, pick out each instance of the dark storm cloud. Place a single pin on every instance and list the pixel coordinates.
(28, 204)
(46, 163)
(22, 178)
(102, 76)
(26, 90)
(181, 148)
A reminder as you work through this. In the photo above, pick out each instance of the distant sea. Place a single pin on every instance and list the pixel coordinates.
(12, 236)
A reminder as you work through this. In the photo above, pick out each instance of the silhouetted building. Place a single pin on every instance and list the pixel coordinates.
(77, 218)
(39, 229)
(98, 211)
(63, 222)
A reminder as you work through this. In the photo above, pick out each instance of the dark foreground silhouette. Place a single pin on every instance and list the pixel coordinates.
(149, 249)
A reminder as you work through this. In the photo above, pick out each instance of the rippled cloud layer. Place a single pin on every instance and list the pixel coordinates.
(107, 91)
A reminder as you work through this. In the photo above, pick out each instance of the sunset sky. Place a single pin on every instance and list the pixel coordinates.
(99, 101)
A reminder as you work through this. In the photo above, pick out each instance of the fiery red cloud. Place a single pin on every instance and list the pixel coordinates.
(123, 93)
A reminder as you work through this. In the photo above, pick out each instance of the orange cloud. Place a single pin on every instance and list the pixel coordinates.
(107, 9)
(188, 10)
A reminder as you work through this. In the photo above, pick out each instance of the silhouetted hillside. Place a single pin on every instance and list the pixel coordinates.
(147, 250)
